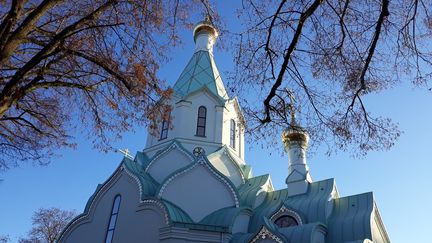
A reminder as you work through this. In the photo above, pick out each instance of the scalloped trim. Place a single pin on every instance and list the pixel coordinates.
(201, 161)
(225, 151)
(171, 147)
(286, 211)
(160, 205)
(86, 214)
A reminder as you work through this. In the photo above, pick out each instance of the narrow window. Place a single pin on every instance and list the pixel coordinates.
(113, 219)
(164, 129)
(240, 140)
(201, 122)
(232, 133)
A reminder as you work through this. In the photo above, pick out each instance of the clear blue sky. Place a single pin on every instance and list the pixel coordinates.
(399, 178)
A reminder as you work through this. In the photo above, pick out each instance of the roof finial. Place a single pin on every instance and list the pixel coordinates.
(207, 10)
(291, 107)
(126, 153)
(208, 18)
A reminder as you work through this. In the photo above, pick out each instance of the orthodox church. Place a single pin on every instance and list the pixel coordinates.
(192, 184)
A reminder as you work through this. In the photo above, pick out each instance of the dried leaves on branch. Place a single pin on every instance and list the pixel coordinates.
(91, 63)
(47, 225)
(331, 55)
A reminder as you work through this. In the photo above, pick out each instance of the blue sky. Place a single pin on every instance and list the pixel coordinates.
(399, 178)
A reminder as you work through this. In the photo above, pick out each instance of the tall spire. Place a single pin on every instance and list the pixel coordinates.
(201, 71)
(295, 139)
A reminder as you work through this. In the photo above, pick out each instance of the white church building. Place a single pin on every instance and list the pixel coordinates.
(192, 184)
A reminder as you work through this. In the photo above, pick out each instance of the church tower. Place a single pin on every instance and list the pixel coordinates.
(191, 182)
(203, 115)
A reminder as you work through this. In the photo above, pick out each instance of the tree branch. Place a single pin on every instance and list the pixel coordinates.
(303, 17)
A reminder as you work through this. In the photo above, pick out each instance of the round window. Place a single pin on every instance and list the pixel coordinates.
(286, 221)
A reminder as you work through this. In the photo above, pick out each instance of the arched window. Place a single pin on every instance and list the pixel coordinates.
(286, 221)
(164, 128)
(232, 133)
(113, 219)
(201, 122)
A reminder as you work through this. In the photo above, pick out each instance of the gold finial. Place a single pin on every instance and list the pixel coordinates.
(294, 133)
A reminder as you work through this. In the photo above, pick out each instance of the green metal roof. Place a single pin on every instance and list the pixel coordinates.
(148, 184)
(301, 233)
(348, 219)
(224, 217)
(248, 190)
(351, 218)
(200, 72)
(311, 205)
(175, 213)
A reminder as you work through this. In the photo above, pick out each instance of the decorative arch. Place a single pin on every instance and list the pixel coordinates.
(181, 190)
(224, 151)
(201, 161)
(159, 205)
(90, 206)
(174, 145)
(284, 211)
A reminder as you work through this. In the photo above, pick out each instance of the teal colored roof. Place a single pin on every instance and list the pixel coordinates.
(351, 218)
(301, 233)
(311, 205)
(141, 158)
(148, 184)
(176, 214)
(248, 191)
(270, 226)
(224, 217)
(344, 220)
(200, 73)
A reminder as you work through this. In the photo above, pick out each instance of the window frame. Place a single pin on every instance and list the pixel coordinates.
(233, 133)
(114, 212)
(165, 128)
(201, 118)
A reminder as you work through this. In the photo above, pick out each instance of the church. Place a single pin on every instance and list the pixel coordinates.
(192, 184)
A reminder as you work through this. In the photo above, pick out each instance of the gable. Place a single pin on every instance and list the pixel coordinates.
(168, 161)
(199, 191)
(228, 167)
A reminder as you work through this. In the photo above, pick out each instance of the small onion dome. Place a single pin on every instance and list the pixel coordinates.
(295, 135)
(205, 27)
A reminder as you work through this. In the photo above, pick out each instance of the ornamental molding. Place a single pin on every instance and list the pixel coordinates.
(171, 147)
(284, 211)
(237, 107)
(158, 204)
(201, 161)
(263, 234)
(133, 176)
(85, 216)
(233, 161)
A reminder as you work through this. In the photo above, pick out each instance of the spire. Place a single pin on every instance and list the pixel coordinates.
(295, 139)
(201, 71)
